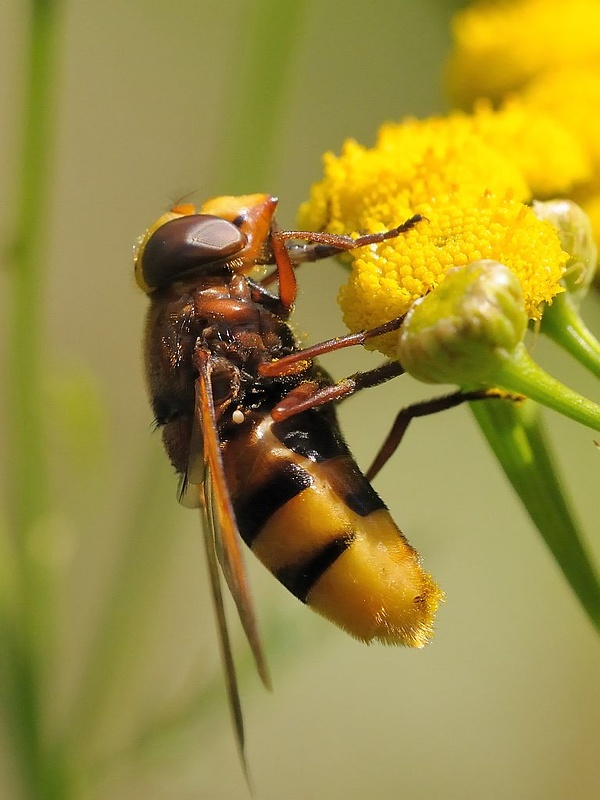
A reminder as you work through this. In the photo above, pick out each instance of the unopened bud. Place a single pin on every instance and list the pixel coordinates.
(462, 330)
(576, 239)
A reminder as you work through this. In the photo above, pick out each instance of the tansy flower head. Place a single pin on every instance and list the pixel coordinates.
(572, 97)
(470, 195)
(386, 280)
(551, 158)
(546, 54)
(499, 47)
(411, 163)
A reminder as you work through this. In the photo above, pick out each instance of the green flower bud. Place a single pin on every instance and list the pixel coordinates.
(561, 320)
(576, 239)
(465, 328)
(469, 331)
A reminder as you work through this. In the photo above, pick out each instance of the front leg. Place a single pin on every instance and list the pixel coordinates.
(288, 364)
(319, 245)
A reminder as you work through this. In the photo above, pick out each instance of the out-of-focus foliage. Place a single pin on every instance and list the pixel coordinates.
(113, 688)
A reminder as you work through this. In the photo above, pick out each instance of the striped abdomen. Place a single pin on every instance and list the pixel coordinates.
(315, 522)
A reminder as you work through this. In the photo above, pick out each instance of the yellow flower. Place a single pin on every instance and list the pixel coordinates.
(439, 154)
(471, 196)
(539, 142)
(499, 47)
(572, 96)
(534, 156)
(370, 190)
(387, 279)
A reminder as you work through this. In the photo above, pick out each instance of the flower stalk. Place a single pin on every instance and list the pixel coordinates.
(520, 374)
(27, 617)
(518, 439)
(563, 324)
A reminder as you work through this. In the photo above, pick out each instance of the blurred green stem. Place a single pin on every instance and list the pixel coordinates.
(43, 775)
(562, 323)
(516, 435)
(26, 257)
(256, 105)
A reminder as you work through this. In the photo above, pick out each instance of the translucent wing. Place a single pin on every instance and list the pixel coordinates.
(190, 491)
(226, 541)
(209, 529)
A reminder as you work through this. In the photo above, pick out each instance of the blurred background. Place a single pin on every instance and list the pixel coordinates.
(506, 701)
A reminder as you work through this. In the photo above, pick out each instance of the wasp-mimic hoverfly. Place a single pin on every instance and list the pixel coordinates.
(248, 422)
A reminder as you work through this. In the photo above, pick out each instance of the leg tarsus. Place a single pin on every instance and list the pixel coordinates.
(342, 243)
(420, 409)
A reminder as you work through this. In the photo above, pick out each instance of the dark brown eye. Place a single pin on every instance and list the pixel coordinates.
(185, 244)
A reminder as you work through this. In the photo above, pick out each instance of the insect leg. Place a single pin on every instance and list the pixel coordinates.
(288, 365)
(319, 245)
(324, 245)
(285, 268)
(310, 394)
(420, 409)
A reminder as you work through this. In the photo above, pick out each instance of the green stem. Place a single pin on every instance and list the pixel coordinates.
(563, 324)
(269, 34)
(516, 435)
(25, 636)
(519, 373)
(29, 494)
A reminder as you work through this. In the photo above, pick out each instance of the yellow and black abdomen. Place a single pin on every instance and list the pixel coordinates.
(316, 523)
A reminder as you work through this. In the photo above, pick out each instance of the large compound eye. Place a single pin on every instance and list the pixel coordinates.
(185, 244)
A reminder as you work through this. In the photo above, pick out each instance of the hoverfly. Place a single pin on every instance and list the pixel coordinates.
(248, 422)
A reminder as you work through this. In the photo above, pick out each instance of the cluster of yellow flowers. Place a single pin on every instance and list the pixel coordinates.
(470, 176)
(527, 133)
(545, 53)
